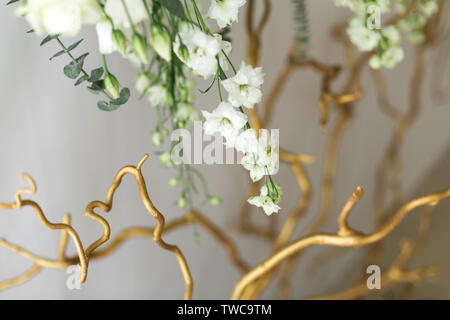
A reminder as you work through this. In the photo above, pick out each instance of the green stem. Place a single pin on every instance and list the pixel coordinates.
(199, 17)
(187, 10)
(105, 67)
(128, 15)
(147, 9)
(229, 61)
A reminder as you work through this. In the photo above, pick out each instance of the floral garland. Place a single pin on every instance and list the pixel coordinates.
(182, 47)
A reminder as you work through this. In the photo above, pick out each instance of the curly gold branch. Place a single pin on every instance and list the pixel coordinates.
(355, 240)
(19, 204)
(395, 274)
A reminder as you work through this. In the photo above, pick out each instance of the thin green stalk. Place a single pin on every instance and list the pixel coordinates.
(128, 15)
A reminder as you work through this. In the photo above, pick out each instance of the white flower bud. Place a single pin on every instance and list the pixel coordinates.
(157, 138)
(161, 43)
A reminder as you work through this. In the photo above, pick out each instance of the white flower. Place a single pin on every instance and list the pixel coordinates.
(225, 120)
(416, 36)
(186, 115)
(384, 5)
(247, 142)
(356, 6)
(375, 62)
(202, 50)
(90, 11)
(225, 12)
(268, 199)
(250, 162)
(261, 156)
(158, 95)
(64, 17)
(392, 56)
(104, 35)
(364, 38)
(244, 88)
(429, 7)
(143, 82)
(266, 203)
(392, 34)
(116, 10)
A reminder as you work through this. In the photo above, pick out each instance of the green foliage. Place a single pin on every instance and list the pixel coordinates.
(115, 103)
(302, 27)
(75, 70)
(175, 7)
(11, 2)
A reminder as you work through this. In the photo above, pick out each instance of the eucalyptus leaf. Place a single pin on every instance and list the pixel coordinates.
(105, 106)
(73, 69)
(96, 87)
(81, 79)
(93, 90)
(74, 45)
(59, 53)
(81, 58)
(124, 96)
(96, 74)
(48, 39)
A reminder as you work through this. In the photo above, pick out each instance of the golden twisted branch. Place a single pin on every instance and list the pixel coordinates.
(94, 251)
(345, 236)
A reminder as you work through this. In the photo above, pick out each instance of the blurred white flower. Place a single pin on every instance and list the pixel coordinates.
(202, 50)
(143, 82)
(392, 56)
(364, 38)
(186, 115)
(116, 10)
(391, 34)
(104, 35)
(225, 12)
(244, 88)
(375, 62)
(429, 7)
(64, 17)
(159, 96)
(225, 120)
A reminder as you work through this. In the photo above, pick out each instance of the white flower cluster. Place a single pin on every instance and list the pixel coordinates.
(205, 55)
(200, 51)
(225, 12)
(64, 17)
(268, 199)
(260, 153)
(386, 41)
(119, 28)
(414, 24)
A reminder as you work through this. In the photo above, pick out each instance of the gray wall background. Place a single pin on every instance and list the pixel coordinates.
(55, 132)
